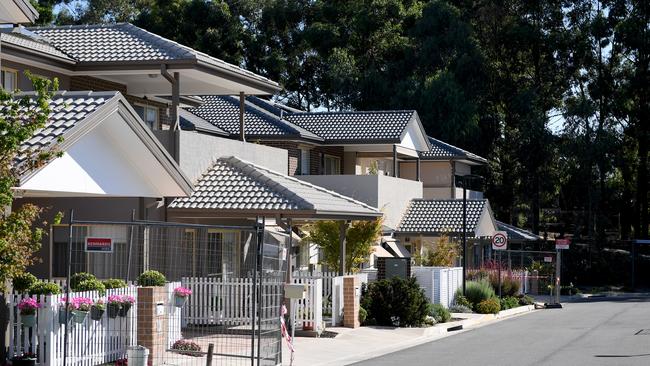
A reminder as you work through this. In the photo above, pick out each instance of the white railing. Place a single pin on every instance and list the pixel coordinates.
(309, 311)
(439, 283)
(218, 301)
(327, 278)
(89, 343)
(174, 320)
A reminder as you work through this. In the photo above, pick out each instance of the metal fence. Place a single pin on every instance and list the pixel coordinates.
(232, 316)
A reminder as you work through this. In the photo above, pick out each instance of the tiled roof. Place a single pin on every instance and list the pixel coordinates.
(440, 216)
(515, 233)
(69, 109)
(192, 122)
(223, 112)
(354, 126)
(234, 184)
(31, 43)
(443, 150)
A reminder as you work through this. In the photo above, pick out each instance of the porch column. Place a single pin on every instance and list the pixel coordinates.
(417, 169)
(242, 108)
(343, 228)
(394, 160)
(174, 149)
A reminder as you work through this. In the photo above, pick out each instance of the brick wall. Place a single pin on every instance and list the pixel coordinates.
(351, 285)
(152, 327)
(95, 84)
(316, 163)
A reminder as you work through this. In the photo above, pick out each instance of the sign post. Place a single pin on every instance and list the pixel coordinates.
(560, 245)
(500, 243)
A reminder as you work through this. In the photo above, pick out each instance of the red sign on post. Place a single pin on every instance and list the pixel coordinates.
(562, 244)
(500, 240)
(99, 245)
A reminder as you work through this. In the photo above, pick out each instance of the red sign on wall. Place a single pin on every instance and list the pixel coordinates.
(99, 245)
(562, 244)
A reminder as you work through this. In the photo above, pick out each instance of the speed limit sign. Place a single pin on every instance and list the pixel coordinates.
(500, 240)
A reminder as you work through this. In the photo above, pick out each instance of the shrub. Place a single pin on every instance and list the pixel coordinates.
(397, 302)
(113, 283)
(363, 314)
(462, 301)
(185, 345)
(509, 302)
(439, 312)
(509, 285)
(489, 306)
(460, 309)
(91, 285)
(77, 278)
(151, 278)
(44, 288)
(525, 300)
(23, 282)
(477, 291)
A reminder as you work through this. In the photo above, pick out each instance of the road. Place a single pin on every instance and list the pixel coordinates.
(598, 332)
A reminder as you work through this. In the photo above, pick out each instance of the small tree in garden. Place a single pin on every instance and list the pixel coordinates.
(360, 237)
(20, 118)
(443, 254)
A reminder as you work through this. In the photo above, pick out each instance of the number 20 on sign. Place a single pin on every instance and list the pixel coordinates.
(500, 240)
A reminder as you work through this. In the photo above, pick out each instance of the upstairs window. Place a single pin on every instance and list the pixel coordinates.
(332, 165)
(304, 162)
(9, 79)
(148, 114)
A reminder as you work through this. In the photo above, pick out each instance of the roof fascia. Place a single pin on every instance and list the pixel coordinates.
(42, 60)
(269, 88)
(416, 119)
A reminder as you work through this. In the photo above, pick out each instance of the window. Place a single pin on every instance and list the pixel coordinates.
(148, 114)
(9, 79)
(224, 253)
(332, 165)
(303, 166)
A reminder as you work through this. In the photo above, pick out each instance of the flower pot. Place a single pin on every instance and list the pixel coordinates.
(62, 313)
(124, 309)
(113, 310)
(79, 316)
(96, 313)
(179, 301)
(28, 320)
(23, 362)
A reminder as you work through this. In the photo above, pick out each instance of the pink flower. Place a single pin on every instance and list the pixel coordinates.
(81, 303)
(128, 299)
(28, 306)
(182, 291)
(115, 299)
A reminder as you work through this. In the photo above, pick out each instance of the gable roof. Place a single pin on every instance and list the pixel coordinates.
(516, 233)
(33, 44)
(443, 151)
(350, 127)
(75, 114)
(233, 185)
(223, 112)
(442, 216)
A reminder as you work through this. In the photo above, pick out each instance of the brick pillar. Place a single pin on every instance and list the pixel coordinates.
(351, 287)
(152, 325)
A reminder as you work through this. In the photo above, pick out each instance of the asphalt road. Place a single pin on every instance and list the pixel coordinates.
(597, 332)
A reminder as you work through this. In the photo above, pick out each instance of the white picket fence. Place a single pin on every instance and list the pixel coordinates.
(439, 283)
(309, 310)
(89, 343)
(218, 301)
(327, 278)
(175, 315)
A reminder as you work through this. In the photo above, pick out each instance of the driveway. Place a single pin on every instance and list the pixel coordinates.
(605, 331)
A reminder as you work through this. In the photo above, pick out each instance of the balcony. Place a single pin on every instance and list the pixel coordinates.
(389, 194)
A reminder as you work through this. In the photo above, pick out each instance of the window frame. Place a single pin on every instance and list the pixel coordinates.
(155, 124)
(334, 158)
(8, 70)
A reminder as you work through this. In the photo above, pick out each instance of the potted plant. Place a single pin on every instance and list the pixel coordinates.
(28, 307)
(127, 302)
(26, 359)
(114, 305)
(180, 296)
(97, 310)
(81, 307)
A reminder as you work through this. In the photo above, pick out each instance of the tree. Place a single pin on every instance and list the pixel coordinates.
(360, 237)
(20, 118)
(443, 254)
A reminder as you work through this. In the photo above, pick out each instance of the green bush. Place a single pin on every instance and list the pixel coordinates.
(363, 314)
(23, 282)
(489, 306)
(91, 285)
(439, 312)
(77, 278)
(460, 309)
(151, 278)
(509, 285)
(462, 301)
(396, 302)
(477, 291)
(509, 302)
(44, 288)
(114, 283)
(525, 300)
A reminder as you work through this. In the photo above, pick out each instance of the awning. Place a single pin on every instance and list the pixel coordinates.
(397, 248)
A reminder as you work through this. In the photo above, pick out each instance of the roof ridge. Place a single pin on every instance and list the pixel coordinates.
(302, 182)
(74, 26)
(63, 93)
(383, 111)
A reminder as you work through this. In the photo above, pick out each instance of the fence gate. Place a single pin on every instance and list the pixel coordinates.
(218, 305)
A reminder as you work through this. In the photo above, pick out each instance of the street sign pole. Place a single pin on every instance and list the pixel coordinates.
(500, 295)
(557, 276)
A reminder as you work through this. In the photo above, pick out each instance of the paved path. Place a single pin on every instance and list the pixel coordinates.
(594, 332)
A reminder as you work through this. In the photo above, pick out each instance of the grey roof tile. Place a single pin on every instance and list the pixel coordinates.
(60, 122)
(348, 126)
(443, 151)
(439, 216)
(234, 184)
(37, 45)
